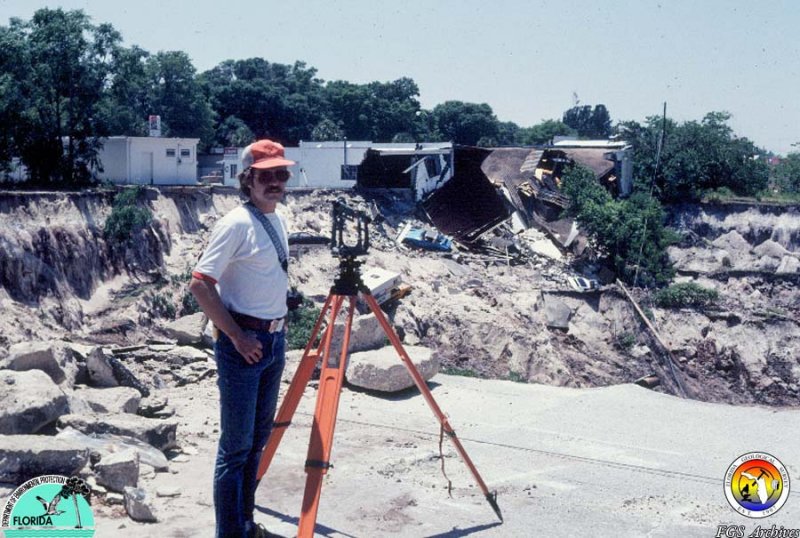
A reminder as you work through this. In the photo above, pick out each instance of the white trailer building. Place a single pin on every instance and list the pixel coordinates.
(141, 160)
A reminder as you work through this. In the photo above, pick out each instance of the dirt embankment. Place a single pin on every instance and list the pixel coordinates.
(484, 314)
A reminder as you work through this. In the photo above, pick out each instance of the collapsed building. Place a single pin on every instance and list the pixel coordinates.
(468, 191)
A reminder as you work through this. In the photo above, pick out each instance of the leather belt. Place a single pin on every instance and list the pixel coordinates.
(249, 322)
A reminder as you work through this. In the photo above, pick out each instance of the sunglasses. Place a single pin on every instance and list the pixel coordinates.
(265, 176)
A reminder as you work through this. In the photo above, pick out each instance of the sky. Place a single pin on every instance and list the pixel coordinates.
(529, 60)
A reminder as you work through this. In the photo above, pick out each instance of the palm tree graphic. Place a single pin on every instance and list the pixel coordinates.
(74, 487)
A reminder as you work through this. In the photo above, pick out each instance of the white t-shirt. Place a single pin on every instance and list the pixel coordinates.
(241, 258)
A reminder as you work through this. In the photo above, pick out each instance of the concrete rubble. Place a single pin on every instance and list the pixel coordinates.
(138, 505)
(382, 369)
(156, 432)
(29, 401)
(118, 470)
(23, 457)
(54, 359)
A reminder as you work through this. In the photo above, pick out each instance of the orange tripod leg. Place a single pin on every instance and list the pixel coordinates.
(423, 387)
(298, 386)
(319, 449)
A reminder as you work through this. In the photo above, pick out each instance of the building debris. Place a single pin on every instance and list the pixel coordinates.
(424, 238)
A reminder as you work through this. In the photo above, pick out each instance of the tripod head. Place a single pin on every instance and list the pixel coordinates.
(342, 214)
(349, 280)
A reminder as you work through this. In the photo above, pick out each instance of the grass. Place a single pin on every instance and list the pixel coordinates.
(626, 341)
(724, 194)
(516, 377)
(686, 294)
(463, 372)
(301, 323)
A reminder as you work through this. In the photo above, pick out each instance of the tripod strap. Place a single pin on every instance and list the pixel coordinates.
(441, 458)
(272, 233)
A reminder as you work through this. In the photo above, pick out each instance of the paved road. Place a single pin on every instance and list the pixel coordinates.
(620, 461)
(616, 461)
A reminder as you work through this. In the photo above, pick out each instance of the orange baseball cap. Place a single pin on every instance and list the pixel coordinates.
(264, 154)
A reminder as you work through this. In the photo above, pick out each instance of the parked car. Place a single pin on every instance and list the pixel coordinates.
(579, 283)
(424, 238)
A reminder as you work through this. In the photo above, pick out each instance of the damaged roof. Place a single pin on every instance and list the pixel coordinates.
(593, 158)
(468, 205)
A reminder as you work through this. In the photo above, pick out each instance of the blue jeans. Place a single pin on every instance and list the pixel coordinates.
(248, 398)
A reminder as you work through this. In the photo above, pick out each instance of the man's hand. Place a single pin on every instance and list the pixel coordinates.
(249, 348)
(208, 299)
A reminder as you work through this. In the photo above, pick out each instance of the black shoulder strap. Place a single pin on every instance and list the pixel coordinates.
(273, 234)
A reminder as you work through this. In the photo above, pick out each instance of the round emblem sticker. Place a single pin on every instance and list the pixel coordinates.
(757, 484)
(51, 505)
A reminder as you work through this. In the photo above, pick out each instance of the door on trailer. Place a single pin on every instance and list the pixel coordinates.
(145, 176)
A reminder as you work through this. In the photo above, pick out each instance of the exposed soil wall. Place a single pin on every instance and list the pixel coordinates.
(60, 278)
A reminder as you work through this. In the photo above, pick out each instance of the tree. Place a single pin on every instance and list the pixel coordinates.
(696, 157)
(12, 100)
(465, 123)
(176, 95)
(55, 69)
(233, 132)
(786, 174)
(507, 133)
(629, 232)
(284, 102)
(125, 106)
(326, 130)
(589, 122)
(544, 132)
(377, 111)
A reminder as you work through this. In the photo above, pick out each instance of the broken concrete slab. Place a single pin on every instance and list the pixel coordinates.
(106, 370)
(54, 359)
(187, 330)
(101, 374)
(138, 504)
(110, 400)
(557, 313)
(155, 432)
(365, 334)
(383, 370)
(547, 248)
(119, 470)
(29, 400)
(102, 444)
(168, 491)
(187, 354)
(789, 264)
(23, 457)
(153, 405)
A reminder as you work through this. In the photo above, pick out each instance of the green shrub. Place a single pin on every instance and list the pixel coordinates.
(127, 217)
(629, 232)
(687, 294)
(161, 306)
(516, 377)
(626, 340)
(720, 194)
(301, 323)
(464, 372)
(189, 304)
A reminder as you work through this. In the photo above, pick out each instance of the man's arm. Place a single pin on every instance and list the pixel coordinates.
(209, 300)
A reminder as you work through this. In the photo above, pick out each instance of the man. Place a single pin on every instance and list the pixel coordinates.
(240, 283)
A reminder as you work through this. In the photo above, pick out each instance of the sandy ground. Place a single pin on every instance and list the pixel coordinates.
(615, 461)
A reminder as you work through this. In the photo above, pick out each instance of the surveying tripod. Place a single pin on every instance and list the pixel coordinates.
(348, 284)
